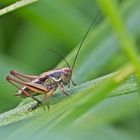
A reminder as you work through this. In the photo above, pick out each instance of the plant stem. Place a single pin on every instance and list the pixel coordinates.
(15, 6)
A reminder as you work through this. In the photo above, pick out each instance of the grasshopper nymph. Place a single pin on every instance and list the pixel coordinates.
(47, 82)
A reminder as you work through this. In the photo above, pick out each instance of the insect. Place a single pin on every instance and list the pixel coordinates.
(47, 82)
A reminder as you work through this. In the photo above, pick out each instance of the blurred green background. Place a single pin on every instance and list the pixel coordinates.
(27, 33)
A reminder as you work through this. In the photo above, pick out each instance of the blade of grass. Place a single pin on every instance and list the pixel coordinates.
(111, 9)
(127, 43)
(15, 6)
(65, 113)
(85, 102)
(22, 112)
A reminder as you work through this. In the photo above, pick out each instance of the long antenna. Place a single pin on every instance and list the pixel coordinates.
(92, 25)
(58, 54)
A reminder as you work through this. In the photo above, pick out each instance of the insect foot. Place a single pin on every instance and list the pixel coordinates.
(34, 106)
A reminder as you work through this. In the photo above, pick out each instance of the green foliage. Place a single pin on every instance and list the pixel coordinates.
(94, 110)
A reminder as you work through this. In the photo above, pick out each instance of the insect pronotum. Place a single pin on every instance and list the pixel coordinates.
(47, 82)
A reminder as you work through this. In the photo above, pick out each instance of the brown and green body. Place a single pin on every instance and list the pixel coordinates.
(45, 83)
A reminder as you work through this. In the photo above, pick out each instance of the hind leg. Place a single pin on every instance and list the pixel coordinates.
(23, 77)
(13, 82)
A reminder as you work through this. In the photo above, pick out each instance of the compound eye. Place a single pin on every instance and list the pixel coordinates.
(66, 71)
